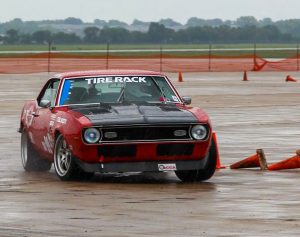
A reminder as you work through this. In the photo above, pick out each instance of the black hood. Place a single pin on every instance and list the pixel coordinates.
(125, 114)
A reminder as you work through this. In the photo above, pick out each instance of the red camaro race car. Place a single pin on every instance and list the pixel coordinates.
(115, 121)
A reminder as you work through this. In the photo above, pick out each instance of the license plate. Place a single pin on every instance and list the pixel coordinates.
(166, 167)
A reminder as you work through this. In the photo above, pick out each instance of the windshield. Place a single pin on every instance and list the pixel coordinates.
(116, 89)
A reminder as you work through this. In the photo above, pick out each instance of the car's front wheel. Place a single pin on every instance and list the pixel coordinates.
(201, 174)
(31, 160)
(65, 164)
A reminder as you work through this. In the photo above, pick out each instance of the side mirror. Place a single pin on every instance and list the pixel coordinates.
(187, 100)
(45, 103)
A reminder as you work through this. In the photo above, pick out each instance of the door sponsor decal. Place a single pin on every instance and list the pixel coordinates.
(27, 116)
(48, 143)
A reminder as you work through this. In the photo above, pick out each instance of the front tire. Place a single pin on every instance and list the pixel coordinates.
(31, 160)
(65, 164)
(201, 174)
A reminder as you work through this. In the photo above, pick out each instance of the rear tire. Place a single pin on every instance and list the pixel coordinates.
(65, 164)
(31, 160)
(201, 174)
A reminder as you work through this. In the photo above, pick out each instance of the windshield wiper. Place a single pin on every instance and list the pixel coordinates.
(121, 98)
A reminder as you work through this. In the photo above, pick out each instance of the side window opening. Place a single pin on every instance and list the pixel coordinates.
(50, 92)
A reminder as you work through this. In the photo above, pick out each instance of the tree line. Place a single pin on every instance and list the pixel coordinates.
(76, 25)
(157, 34)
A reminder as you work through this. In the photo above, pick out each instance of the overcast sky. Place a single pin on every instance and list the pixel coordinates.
(147, 10)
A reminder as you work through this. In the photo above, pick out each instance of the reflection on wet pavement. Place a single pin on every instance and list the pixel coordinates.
(260, 114)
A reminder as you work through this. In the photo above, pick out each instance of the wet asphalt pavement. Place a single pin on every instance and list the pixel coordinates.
(261, 113)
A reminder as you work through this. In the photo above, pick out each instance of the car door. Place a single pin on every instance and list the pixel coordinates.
(44, 118)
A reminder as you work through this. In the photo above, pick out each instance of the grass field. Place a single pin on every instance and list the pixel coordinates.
(286, 50)
(139, 46)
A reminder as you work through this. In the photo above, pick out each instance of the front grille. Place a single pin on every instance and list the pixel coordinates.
(147, 133)
(117, 151)
(174, 149)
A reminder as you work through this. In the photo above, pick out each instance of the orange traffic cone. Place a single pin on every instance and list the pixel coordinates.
(245, 77)
(180, 79)
(218, 164)
(250, 162)
(291, 163)
(257, 160)
(290, 79)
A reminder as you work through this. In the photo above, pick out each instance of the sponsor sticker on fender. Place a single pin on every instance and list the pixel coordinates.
(166, 167)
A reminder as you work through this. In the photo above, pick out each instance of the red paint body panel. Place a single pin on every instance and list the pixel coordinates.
(46, 123)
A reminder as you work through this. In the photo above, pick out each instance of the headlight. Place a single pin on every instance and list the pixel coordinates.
(199, 132)
(92, 135)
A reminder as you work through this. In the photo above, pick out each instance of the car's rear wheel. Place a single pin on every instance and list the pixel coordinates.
(201, 174)
(65, 164)
(31, 160)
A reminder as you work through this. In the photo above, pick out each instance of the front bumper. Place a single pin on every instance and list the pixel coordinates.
(141, 166)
